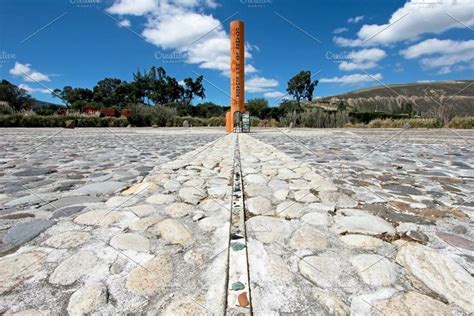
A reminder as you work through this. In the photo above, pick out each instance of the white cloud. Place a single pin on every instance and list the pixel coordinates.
(352, 79)
(27, 74)
(33, 90)
(180, 25)
(260, 84)
(340, 30)
(133, 7)
(124, 23)
(412, 20)
(356, 19)
(274, 94)
(442, 54)
(363, 59)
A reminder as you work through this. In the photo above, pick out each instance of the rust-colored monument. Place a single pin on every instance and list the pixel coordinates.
(237, 74)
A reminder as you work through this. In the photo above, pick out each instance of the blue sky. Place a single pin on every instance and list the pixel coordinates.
(347, 44)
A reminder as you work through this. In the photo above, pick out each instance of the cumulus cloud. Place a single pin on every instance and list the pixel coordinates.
(27, 73)
(352, 79)
(30, 89)
(133, 7)
(182, 26)
(260, 84)
(124, 23)
(340, 30)
(356, 19)
(412, 20)
(274, 94)
(443, 55)
(363, 59)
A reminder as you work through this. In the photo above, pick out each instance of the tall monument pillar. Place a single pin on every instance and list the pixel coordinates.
(237, 75)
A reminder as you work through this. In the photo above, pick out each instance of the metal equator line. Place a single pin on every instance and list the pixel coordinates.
(238, 289)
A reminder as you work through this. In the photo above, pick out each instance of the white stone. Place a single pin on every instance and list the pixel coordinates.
(174, 232)
(308, 237)
(140, 188)
(98, 218)
(375, 270)
(281, 194)
(305, 196)
(143, 224)
(276, 184)
(192, 195)
(316, 219)
(143, 210)
(130, 241)
(178, 209)
(259, 206)
(361, 241)
(328, 271)
(332, 304)
(148, 278)
(171, 186)
(299, 184)
(87, 299)
(289, 209)
(339, 199)
(357, 221)
(73, 268)
(255, 179)
(69, 239)
(160, 199)
(268, 229)
(439, 273)
(219, 192)
(412, 303)
(16, 268)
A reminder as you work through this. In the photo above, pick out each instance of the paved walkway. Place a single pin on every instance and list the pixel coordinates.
(378, 235)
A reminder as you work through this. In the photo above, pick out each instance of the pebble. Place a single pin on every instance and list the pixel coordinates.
(361, 241)
(375, 270)
(316, 219)
(98, 218)
(357, 221)
(412, 303)
(68, 239)
(150, 277)
(88, 299)
(268, 229)
(259, 206)
(308, 237)
(160, 199)
(174, 232)
(439, 273)
(340, 200)
(99, 188)
(178, 209)
(24, 232)
(16, 268)
(192, 195)
(73, 268)
(130, 241)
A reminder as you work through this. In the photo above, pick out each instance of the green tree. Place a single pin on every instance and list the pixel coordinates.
(192, 88)
(105, 91)
(257, 107)
(18, 99)
(301, 86)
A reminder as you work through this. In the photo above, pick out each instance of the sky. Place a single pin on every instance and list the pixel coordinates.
(346, 44)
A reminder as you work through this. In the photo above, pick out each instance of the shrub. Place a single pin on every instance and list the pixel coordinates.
(462, 122)
(320, 118)
(143, 115)
(411, 122)
(19, 120)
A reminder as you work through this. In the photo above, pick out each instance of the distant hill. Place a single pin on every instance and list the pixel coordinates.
(423, 97)
(42, 104)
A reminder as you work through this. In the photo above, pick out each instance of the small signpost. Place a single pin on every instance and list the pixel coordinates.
(245, 122)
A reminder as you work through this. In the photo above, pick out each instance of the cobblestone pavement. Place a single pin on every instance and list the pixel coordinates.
(137, 221)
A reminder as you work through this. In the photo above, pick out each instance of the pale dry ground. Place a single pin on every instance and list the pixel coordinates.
(339, 221)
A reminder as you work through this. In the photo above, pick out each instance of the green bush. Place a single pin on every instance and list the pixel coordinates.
(462, 122)
(143, 115)
(18, 120)
(411, 122)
